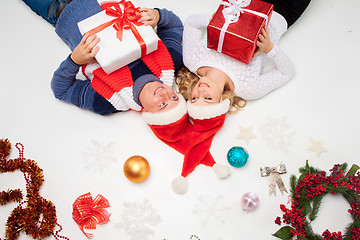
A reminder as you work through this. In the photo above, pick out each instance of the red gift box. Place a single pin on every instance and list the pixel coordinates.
(235, 27)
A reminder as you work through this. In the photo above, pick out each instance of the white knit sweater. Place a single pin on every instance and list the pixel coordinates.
(250, 81)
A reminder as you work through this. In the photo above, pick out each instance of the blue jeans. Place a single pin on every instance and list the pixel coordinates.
(45, 8)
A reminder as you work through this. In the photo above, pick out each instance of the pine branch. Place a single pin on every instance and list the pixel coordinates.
(309, 231)
(293, 183)
(339, 189)
(307, 169)
(318, 237)
(305, 207)
(316, 202)
(351, 196)
(314, 170)
(347, 234)
(357, 222)
(343, 167)
(303, 170)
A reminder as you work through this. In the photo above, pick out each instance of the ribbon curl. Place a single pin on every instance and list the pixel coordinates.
(125, 19)
(88, 212)
(275, 178)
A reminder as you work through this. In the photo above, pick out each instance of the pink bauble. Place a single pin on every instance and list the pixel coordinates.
(249, 201)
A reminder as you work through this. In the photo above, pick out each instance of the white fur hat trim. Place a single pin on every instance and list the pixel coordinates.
(167, 117)
(208, 111)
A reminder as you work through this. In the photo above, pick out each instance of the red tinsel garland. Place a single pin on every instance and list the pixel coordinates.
(10, 196)
(27, 218)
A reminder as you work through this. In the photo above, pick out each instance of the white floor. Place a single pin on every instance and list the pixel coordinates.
(81, 152)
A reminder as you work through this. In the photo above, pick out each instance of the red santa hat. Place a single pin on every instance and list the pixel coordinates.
(166, 117)
(210, 111)
(172, 126)
(207, 121)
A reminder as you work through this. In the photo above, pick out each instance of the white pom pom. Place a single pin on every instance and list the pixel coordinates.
(179, 185)
(221, 170)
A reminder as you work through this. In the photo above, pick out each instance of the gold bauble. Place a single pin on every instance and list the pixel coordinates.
(136, 168)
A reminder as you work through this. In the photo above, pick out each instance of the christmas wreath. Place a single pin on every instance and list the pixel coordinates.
(306, 195)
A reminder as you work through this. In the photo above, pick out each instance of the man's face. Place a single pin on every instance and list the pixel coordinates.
(158, 97)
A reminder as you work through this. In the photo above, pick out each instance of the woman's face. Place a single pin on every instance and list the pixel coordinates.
(206, 91)
(158, 97)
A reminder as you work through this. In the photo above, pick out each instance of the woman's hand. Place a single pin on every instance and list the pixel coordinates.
(264, 43)
(149, 16)
(86, 51)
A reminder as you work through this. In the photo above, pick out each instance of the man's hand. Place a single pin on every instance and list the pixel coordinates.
(149, 16)
(86, 51)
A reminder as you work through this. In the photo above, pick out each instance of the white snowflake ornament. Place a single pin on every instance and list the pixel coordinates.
(138, 219)
(211, 209)
(99, 156)
(277, 133)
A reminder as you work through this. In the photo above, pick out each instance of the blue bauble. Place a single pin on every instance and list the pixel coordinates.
(237, 157)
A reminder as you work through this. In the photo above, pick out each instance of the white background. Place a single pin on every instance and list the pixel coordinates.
(321, 102)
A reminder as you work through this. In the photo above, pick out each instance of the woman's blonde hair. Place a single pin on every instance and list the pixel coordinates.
(186, 80)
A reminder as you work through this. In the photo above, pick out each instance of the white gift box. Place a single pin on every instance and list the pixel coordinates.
(113, 53)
